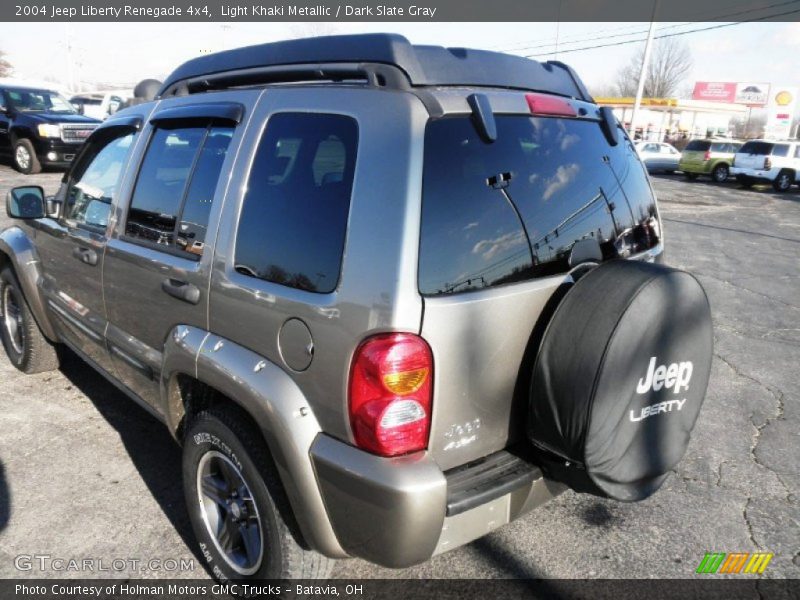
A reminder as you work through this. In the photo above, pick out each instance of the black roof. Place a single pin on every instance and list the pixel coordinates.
(421, 65)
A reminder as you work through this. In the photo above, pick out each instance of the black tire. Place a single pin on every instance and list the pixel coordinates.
(24, 343)
(745, 182)
(216, 440)
(690, 176)
(24, 157)
(783, 182)
(720, 173)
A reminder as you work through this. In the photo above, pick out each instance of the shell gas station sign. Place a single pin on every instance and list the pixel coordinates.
(780, 111)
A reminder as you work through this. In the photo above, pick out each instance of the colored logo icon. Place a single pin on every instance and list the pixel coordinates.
(734, 563)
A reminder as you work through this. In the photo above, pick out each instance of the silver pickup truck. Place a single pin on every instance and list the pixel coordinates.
(387, 297)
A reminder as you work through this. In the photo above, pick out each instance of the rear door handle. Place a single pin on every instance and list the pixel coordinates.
(181, 290)
(85, 255)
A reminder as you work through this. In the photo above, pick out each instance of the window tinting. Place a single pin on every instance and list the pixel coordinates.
(294, 216)
(698, 145)
(93, 181)
(562, 176)
(761, 148)
(780, 150)
(172, 200)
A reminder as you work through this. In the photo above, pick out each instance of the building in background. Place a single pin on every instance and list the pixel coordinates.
(676, 120)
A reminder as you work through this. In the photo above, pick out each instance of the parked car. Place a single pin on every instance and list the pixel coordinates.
(766, 161)
(379, 333)
(712, 157)
(658, 156)
(99, 105)
(39, 128)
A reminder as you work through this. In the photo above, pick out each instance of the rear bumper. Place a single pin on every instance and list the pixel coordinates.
(399, 512)
(703, 168)
(754, 174)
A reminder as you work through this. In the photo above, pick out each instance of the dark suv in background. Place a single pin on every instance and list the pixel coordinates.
(40, 127)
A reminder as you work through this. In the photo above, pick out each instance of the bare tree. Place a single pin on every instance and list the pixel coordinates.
(670, 62)
(5, 67)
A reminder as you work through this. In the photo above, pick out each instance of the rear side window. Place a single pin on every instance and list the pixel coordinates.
(762, 148)
(558, 177)
(698, 146)
(780, 150)
(172, 200)
(294, 216)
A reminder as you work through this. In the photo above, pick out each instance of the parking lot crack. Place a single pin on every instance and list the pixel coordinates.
(779, 397)
(747, 289)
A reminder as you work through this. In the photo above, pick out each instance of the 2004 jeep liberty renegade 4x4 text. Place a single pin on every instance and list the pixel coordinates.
(387, 297)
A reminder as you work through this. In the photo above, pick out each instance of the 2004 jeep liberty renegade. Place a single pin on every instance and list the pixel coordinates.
(387, 297)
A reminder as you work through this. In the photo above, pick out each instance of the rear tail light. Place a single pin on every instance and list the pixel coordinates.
(542, 104)
(767, 164)
(733, 161)
(390, 394)
(707, 155)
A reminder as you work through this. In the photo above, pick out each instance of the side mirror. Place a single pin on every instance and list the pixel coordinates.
(26, 202)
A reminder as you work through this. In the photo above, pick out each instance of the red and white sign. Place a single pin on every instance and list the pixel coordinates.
(714, 91)
(748, 92)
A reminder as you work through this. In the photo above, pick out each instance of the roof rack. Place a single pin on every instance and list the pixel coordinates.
(379, 60)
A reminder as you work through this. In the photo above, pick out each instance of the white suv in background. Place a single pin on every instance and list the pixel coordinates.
(765, 161)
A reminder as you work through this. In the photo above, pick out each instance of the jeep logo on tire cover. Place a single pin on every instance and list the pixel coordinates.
(676, 375)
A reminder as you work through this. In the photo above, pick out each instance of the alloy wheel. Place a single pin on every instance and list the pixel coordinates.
(230, 513)
(12, 319)
(23, 157)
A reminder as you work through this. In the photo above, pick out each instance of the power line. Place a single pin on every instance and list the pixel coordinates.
(673, 26)
(667, 35)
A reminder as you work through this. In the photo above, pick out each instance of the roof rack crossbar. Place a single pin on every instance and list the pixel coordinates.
(390, 57)
(373, 75)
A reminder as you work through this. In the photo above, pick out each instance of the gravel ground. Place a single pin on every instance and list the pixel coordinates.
(84, 473)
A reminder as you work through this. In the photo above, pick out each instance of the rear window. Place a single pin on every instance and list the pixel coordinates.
(698, 146)
(762, 148)
(558, 177)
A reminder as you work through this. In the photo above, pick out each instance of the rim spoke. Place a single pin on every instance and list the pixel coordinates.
(229, 475)
(215, 490)
(225, 535)
(250, 540)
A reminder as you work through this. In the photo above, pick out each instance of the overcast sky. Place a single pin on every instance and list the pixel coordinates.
(129, 52)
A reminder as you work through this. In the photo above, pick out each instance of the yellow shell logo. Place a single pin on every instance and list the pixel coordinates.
(783, 98)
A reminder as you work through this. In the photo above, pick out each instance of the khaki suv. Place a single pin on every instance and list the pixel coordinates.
(387, 297)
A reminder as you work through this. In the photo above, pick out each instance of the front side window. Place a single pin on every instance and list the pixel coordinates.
(94, 180)
(171, 203)
(294, 216)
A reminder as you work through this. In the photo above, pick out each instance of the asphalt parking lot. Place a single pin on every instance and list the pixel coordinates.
(84, 473)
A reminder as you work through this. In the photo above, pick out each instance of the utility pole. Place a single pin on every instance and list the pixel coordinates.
(68, 53)
(643, 72)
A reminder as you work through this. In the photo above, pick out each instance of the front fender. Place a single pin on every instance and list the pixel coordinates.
(21, 253)
(273, 400)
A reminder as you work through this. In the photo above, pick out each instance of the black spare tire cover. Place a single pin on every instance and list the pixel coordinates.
(620, 377)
